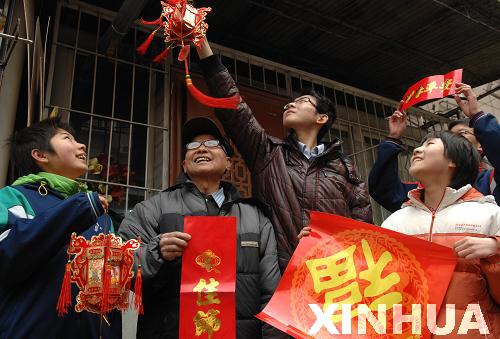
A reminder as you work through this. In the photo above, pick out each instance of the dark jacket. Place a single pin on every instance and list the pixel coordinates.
(257, 273)
(388, 190)
(282, 176)
(32, 264)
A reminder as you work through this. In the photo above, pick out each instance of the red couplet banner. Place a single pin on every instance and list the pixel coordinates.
(208, 280)
(433, 87)
(348, 262)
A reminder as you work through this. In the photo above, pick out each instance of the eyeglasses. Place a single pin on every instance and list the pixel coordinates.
(301, 100)
(207, 143)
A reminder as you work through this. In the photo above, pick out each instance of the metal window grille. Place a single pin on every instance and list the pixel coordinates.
(118, 105)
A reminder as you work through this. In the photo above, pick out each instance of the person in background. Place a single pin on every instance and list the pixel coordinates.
(480, 129)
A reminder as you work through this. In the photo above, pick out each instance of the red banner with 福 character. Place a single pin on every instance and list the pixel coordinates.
(432, 87)
(346, 268)
(208, 279)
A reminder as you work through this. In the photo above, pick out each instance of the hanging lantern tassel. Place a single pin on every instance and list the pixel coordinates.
(138, 285)
(106, 284)
(141, 50)
(230, 103)
(138, 291)
(64, 300)
(162, 56)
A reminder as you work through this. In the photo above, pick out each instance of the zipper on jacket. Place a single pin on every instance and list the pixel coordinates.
(433, 213)
(432, 225)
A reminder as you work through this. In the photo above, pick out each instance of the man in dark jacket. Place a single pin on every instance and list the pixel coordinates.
(294, 175)
(481, 129)
(159, 223)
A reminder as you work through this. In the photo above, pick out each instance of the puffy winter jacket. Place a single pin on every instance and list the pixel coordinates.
(463, 212)
(257, 273)
(36, 232)
(282, 176)
(388, 190)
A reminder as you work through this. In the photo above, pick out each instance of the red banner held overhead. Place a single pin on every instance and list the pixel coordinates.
(433, 87)
(345, 269)
(208, 280)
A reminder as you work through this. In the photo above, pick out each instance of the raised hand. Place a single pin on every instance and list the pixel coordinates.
(397, 124)
(470, 107)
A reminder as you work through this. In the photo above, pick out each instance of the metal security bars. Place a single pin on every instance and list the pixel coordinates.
(119, 104)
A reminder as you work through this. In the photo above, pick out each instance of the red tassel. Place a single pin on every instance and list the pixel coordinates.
(145, 45)
(138, 291)
(64, 300)
(156, 22)
(106, 286)
(106, 283)
(160, 57)
(230, 103)
(183, 54)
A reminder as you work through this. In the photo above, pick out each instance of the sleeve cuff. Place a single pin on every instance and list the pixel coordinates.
(394, 140)
(211, 66)
(475, 118)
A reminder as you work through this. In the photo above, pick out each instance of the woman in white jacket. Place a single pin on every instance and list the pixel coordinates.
(449, 211)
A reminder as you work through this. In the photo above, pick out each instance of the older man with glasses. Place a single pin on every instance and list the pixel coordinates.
(159, 223)
(297, 174)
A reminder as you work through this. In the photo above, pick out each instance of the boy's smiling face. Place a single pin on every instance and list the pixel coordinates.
(69, 157)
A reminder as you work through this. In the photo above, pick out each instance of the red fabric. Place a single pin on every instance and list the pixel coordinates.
(420, 272)
(138, 292)
(432, 87)
(65, 296)
(208, 280)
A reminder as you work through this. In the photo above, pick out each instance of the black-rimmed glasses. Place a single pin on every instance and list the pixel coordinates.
(300, 100)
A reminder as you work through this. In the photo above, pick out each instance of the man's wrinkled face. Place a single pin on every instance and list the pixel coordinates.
(468, 133)
(206, 161)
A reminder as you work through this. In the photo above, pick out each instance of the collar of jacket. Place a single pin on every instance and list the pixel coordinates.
(232, 194)
(332, 149)
(49, 189)
(451, 196)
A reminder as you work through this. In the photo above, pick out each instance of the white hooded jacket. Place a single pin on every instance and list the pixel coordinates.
(463, 212)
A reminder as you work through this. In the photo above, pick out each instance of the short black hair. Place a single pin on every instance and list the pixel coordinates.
(323, 106)
(454, 123)
(462, 153)
(36, 136)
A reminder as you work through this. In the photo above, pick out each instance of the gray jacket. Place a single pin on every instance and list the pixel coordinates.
(257, 272)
